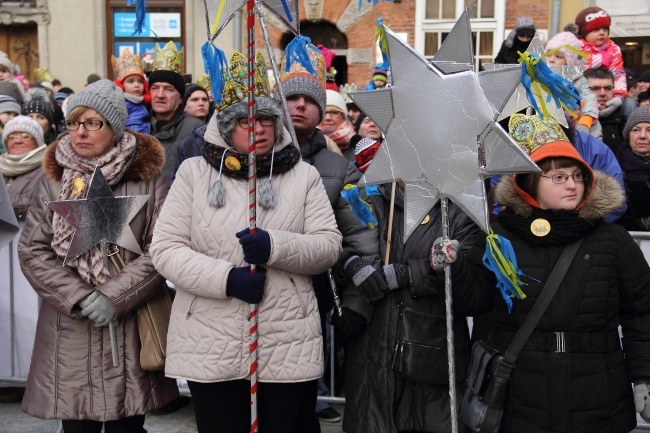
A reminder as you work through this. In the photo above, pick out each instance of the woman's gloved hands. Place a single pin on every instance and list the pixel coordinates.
(397, 275)
(642, 400)
(97, 308)
(256, 246)
(347, 326)
(443, 253)
(372, 286)
(243, 285)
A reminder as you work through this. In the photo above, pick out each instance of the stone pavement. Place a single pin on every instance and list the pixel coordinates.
(13, 420)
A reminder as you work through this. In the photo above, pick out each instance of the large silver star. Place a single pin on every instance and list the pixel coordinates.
(8, 222)
(441, 129)
(100, 217)
(224, 10)
(519, 101)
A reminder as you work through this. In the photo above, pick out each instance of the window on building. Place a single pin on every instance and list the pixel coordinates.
(435, 18)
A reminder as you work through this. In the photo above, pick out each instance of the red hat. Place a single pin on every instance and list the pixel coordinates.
(590, 19)
(364, 152)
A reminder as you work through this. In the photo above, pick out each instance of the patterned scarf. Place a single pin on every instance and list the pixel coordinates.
(77, 173)
(281, 162)
(341, 135)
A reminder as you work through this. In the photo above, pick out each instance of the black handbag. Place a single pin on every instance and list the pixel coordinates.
(489, 371)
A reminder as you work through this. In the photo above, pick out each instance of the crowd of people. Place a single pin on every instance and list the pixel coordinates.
(152, 133)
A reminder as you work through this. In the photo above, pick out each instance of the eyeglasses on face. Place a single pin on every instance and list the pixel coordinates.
(332, 112)
(264, 121)
(563, 178)
(89, 125)
(22, 136)
(599, 88)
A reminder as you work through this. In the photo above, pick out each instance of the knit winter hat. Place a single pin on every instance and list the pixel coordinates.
(10, 89)
(23, 124)
(4, 61)
(169, 77)
(107, 99)
(645, 77)
(380, 74)
(590, 19)
(37, 100)
(9, 105)
(561, 39)
(60, 97)
(303, 72)
(359, 121)
(265, 106)
(335, 99)
(524, 26)
(191, 88)
(364, 152)
(640, 115)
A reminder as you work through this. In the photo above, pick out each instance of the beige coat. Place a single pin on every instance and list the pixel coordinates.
(71, 375)
(21, 189)
(195, 247)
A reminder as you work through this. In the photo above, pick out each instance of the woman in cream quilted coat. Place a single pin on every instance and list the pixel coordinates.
(201, 243)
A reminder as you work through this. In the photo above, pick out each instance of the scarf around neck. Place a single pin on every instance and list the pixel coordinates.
(16, 165)
(77, 173)
(281, 162)
(341, 135)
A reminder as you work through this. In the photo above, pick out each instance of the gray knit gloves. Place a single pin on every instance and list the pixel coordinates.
(443, 253)
(642, 399)
(367, 279)
(97, 308)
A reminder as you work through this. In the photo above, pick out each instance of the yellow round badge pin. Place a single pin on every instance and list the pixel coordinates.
(77, 185)
(540, 227)
(425, 220)
(232, 163)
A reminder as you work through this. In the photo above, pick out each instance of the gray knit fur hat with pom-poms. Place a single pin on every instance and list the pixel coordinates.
(107, 99)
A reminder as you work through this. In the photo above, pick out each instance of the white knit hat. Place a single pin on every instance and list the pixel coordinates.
(335, 99)
(23, 124)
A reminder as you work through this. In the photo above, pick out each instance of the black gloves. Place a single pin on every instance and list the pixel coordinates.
(348, 326)
(243, 285)
(397, 275)
(372, 286)
(256, 246)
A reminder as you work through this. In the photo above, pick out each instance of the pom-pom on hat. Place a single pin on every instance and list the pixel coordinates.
(590, 19)
(9, 105)
(23, 124)
(562, 39)
(639, 115)
(107, 99)
(303, 72)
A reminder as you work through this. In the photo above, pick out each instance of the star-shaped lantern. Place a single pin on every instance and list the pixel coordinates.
(519, 101)
(100, 218)
(8, 222)
(220, 12)
(439, 120)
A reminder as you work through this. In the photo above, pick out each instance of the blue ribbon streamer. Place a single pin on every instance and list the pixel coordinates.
(140, 7)
(385, 62)
(360, 209)
(285, 6)
(297, 51)
(216, 66)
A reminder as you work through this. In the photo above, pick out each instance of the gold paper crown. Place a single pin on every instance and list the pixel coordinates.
(531, 132)
(297, 70)
(127, 64)
(168, 58)
(236, 85)
(204, 81)
(42, 74)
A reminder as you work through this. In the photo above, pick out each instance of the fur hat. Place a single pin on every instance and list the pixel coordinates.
(335, 99)
(107, 99)
(590, 19)
(23, 124)
(565, 38)
(265, 106)
(37, 100)
(9, 105)
(303, 72)
(639, 115)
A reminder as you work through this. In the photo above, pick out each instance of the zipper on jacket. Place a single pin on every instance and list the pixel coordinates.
(189, 312)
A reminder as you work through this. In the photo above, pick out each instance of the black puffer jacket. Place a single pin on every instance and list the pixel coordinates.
(377, 399)
(587, 388)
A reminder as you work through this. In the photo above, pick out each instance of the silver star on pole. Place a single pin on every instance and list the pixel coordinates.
(519, 101)
(8, 222)
(441, 129)
(100, 217)
(220, 12)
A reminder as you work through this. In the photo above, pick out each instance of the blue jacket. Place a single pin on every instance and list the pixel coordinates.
(138, 118)
(599, 156)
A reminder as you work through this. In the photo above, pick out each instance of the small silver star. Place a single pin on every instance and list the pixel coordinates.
(100, 217)
(519, 101)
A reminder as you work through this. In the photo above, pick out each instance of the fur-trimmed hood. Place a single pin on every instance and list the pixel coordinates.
(606, 196)
(147, 163)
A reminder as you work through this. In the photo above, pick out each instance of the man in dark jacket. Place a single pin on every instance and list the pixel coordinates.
(306, 99)
(169, 123)
(610, 116)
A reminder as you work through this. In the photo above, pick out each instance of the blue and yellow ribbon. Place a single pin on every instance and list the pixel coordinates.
(360, 207)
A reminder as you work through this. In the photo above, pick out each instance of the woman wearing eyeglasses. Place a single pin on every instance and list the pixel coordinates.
(72, 376)
(574, 374)
(202, 244)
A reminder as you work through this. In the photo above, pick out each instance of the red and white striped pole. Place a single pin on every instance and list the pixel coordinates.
(252, 201)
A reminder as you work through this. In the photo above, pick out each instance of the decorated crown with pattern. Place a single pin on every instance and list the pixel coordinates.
(236, 81)
(168, 58)
(204, 81)
(127, 64)
(42, 74)
(531, 132)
